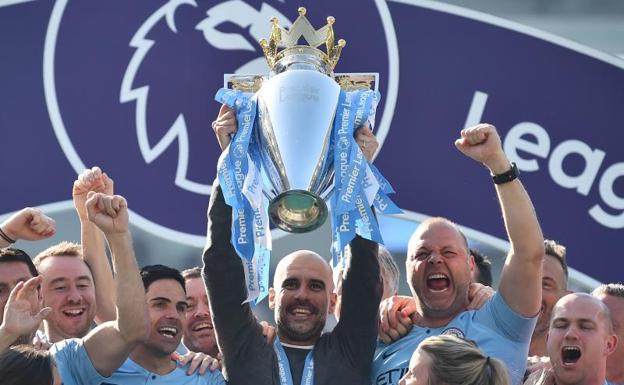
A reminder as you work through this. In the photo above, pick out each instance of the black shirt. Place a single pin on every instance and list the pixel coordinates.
(342, 356)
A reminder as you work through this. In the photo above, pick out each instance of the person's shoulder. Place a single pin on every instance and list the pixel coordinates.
(63, 346)
(208, 378)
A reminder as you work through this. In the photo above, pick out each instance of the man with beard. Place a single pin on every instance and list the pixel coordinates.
(554, 286)
(439, 268)
(101, 352)
(77, 279)
(199, 333)
(580, 340)
(302, 296)
(612, 295)
(160, 305)
(68, 289)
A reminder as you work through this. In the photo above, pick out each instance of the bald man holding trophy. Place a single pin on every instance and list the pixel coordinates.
(294, 148)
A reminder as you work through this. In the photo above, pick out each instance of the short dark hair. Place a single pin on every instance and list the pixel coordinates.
(11, 254)
(558, 251)
(193, 272)
(612, 289)
(484, 265)
(23, 364)
(153, 273)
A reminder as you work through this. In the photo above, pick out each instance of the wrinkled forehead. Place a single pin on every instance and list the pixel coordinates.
(68, 267)
(195, 287)
(303, 265)
(438, 234)
(575, 307)
(12, 271)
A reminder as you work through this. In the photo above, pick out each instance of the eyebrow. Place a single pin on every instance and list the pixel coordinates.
(165, 299)
(64, 279)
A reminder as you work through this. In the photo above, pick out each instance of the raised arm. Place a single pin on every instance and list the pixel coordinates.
(361, 293)
(225, 280)
(521, 279)
(109, 344)
(29, 224)
(92, 240)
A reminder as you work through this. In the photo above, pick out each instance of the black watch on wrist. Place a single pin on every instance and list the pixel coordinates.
(507, 176)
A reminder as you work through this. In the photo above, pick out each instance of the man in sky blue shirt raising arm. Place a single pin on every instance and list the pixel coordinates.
(439, 270)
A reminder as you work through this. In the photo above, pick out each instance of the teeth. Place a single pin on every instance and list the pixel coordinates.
(571, 349)
(300, 310)
(73, 311)
(437, 276)
(202, 325)
(168, 331)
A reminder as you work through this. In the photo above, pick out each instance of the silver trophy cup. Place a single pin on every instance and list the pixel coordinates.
(296, 108)
(296, 114)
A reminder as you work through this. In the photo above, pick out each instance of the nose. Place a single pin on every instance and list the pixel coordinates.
(302, 292)
(202, 310)
(435, 258)
(570, 334)
(73, 295)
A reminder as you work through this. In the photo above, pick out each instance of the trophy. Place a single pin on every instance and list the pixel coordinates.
(295, 144)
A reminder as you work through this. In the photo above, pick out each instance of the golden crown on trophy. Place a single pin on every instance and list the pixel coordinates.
(288, 39)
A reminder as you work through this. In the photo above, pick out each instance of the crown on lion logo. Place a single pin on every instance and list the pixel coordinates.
(289, 39)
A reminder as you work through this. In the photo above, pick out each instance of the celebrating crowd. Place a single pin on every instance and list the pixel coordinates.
(71, 317)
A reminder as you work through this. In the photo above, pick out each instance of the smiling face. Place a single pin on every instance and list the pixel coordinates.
(439, 269)
(166, 302)
(579, 340)
(68, 289)
(302, 297)
(199, 333)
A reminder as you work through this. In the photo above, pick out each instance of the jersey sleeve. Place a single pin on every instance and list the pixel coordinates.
(74, 364)
(238, 332)
(497, 315)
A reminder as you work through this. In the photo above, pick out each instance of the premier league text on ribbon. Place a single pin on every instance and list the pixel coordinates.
(295, 149)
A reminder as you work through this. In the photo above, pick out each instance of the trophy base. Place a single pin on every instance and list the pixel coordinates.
(298, 211)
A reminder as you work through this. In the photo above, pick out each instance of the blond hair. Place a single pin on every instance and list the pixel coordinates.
(63, 249)
(456, 361)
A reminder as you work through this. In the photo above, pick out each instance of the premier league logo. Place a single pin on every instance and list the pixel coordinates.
(129, 87)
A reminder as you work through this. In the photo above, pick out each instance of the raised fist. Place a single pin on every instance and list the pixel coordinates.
(483, 144)
(108, 212)
(29, 224)
(92, 179)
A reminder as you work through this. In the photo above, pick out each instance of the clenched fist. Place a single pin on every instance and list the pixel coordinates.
(483, 144)
(108, 212)
(29, 224)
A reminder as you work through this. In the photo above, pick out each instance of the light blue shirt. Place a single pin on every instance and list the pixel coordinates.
(499, 332)
(75, 368)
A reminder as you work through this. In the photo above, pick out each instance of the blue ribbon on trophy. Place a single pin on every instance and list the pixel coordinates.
(240, 180)
(295, 146)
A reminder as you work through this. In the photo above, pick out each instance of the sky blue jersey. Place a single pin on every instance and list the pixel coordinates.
(499, 331)
(75, 368)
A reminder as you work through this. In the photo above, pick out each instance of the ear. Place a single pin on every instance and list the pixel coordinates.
(471, 263)
(271, 298)
(333, 298)
(611, 343)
